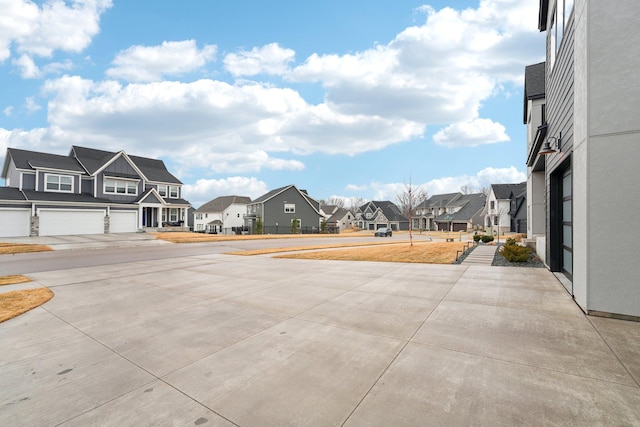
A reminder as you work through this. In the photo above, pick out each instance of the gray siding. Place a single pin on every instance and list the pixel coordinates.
(119, 168)
(13, 175)
(28, 181)
(274, 211)
(559, 110)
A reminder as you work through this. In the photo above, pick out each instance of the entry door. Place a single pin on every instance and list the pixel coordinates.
(567, 225)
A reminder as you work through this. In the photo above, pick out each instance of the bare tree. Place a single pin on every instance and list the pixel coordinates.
(408, 199)
(466, 189)
(336, 201)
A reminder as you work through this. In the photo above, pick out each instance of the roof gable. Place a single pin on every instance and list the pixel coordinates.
(31, 160)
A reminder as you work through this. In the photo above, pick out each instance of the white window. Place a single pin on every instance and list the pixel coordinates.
(289, 208)
(61, 183)
(162, 190)
(173, 191)
(120, 186)
(199, 216)
(173, 215)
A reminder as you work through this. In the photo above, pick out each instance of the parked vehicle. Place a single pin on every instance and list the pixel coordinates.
(383, 232)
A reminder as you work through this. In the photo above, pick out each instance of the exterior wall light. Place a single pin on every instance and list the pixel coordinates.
(551, 145)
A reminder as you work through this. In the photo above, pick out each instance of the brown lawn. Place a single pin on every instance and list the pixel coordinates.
(309, 248)
(19, 248)
(187, 237)
(423, 252)
(13, 279)
(15, 303)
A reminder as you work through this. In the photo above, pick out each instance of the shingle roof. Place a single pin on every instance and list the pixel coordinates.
(472, 205)
(219, 204)
(388, 208)
(270, 194)
(34, 196)
(534, 85)
(11, 193)
(25, 159)
(153, 169)
(508, 191)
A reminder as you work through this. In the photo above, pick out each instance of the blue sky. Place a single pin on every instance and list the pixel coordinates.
(345, 99)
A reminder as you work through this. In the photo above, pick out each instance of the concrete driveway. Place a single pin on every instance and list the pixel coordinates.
(255, 341)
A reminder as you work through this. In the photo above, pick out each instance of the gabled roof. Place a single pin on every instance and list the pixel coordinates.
(534, 85)
(219, 204)
(508, 191)
(338, 215)
(388, 209)
(152, 169)
(25, 159)
(439, 200)
(271, 194)
(472, 206)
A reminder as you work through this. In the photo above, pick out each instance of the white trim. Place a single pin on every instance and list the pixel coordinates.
(46, 183)
(114, 158)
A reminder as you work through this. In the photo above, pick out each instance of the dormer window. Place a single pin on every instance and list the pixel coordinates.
(60, 183)
(173, 191)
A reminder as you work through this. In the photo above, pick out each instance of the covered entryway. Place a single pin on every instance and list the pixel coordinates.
(15, 222)
(123, 221)
(60, 222)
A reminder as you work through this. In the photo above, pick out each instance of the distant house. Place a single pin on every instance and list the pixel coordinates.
(88, 191)
(284, 210)
(506, 208)
(223, 215)
(377, 214)
(341, 219)
(450, 212)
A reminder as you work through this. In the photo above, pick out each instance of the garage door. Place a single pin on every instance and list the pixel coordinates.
(123, 222)
(61, 222)
(459, 226)
(443, 226)
(15, 222)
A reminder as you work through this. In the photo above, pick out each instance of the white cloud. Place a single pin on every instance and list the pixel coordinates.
(7, 111)
(268, 59)
(28, 68)
(53, 26)
(31, 105)
(450, 184)
(152, 63)
(205, 190)
(471, 133)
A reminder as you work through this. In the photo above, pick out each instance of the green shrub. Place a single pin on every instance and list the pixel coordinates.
(477, 237)
(515, 253)
(486, 238)
(510, 241)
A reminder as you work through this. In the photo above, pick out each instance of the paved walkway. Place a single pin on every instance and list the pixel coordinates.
(481, 255)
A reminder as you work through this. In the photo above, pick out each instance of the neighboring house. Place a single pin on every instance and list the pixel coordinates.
(505, 208)
(450, 212)
(535, 119)
(341, 219)
(223, 215)
(589, 151)
(378, 214)
(87, 192)
(463, 213)
(284, 210)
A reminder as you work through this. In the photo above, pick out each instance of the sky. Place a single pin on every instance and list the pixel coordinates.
(345, 99)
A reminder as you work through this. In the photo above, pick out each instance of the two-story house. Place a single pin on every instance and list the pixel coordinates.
(88, 191)
(284, 210)
(504, 209)
(450, 212)
(377, 214)
(224, 214)
(590, 151)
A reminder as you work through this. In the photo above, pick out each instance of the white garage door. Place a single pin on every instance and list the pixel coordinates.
(15, 222)
(123, 222)
(61, 222)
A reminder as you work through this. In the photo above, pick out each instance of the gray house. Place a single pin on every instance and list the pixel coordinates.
(584, 153)
(284, 210)
(88, 191)
(377, 214)
(450, 212)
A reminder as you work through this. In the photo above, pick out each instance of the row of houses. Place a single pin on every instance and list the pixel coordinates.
(92, 191)
(289, 208)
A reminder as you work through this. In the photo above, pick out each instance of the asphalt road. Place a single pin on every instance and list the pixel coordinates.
(65, 259)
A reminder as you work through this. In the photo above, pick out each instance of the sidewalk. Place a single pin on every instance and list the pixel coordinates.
(90, 241)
